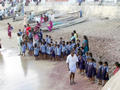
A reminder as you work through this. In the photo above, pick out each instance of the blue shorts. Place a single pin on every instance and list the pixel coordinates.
(36, 55)
(63, 53)
(23, 51)
(42, 52)
(59, 56)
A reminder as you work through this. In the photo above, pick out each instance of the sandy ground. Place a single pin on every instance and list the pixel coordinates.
(104, 41)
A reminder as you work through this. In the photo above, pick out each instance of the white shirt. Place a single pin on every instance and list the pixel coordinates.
(0, 13)
(72, 60)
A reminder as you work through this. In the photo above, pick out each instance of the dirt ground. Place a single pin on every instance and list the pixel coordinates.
(104, 42)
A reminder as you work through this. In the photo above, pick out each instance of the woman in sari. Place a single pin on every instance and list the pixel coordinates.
(9, 30)
(38, 24)
(41, 19)
(85, 44)
(50, 25)
(72, 37)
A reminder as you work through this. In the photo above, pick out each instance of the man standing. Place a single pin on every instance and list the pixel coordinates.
(72, 62)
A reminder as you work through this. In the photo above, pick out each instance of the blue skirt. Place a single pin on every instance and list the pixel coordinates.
(53, 54)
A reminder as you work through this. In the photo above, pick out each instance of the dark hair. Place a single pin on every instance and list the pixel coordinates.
(106, 63)
(61, 38)
(19, 29)
(67, 43)
(85, 37)
(117, 64)
(100, 63)
(18, 34)
(90, 54)
(74, 31)
(72, 34)
(35, 45)
(49, 36)
(78, 44)
(93, 60)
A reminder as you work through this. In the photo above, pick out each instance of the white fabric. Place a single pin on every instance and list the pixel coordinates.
(37, 19)
(113, 83)
(72, 62)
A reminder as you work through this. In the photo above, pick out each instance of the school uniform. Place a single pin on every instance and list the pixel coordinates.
(30, 35)
(30, 46)
(90, 68)
(73, 45)
(84, 57)
(43, 49)
(52, 51)
(20, 33)
(63, 50)
(83, 52)
(94, 70)
(40, 34)
(71, 48)
(60, 42)
(67, 50)
(99, 72)
(55, 51)
(81, 63)
(86, 68)
(47, 50)
(104, 73)
(59, 52)
(77, 49)
(23, 48)
(36, 52)
(47, 38)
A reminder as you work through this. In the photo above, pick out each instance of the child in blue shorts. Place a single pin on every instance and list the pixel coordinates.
(63, 51)
(30, 47)
(36, 52)
(58, 52)
(23, 48)
(53, 52)
(43, 50)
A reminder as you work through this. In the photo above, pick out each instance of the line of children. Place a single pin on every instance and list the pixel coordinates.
(49, 49)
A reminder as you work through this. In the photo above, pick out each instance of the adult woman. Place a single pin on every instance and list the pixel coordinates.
(9, 30)
(72, 37)
(50, 25)
(85, 44)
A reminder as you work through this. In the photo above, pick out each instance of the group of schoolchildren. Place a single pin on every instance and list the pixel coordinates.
(49, 49)
(88, 67)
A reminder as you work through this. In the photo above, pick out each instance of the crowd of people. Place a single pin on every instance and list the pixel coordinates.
(47, 48)
(14, 10)
(77, 54)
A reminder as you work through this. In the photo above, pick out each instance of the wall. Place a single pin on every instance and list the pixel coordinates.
(111, 11)
(101, 11)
